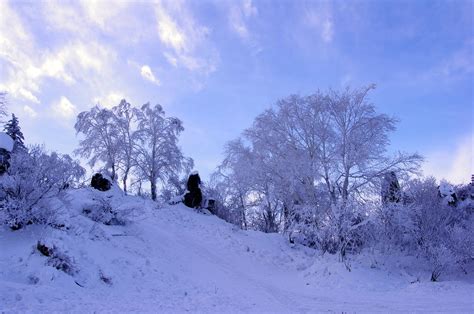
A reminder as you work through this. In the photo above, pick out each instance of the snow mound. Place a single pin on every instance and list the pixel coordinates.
(446, 189)
(174, 259)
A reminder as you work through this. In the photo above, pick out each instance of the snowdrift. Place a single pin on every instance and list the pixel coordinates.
(143, 257)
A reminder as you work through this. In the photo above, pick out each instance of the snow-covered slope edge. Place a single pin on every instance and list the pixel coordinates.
(173, 259)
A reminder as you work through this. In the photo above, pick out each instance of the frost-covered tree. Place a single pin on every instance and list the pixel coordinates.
(157, 154)
(124, 117)
(32, 181)
(226, 209)
(12, 128)
(101, 140)
(426, 225)
(236, 179)
(332, 143)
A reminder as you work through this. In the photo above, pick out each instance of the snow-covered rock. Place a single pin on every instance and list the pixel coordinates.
(446, 191)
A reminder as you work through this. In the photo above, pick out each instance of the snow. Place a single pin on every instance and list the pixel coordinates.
(173, 259)
(6, 142)
(445, 189)
(195, 172)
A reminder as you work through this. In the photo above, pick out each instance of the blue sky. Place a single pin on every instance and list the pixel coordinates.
(217, 64)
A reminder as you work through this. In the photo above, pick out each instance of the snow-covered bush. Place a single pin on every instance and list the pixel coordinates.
(305, 226)
(428, 225)
(33, 179)
(101, 210)
(331, 228)
(465, 194)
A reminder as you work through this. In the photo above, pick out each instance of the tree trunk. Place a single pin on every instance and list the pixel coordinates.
(113, 172)
(153, 189)
(124, 180)
(286, 217)
(244, 218)
(345, 189)
(332, 193)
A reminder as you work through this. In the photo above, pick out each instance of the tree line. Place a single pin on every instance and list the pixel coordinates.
(315, 168)
(318, 169)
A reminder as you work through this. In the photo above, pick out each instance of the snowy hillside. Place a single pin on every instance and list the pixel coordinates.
(174, 260)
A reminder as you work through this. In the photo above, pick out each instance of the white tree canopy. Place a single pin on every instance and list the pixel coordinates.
(157, 152)
(333, 142)
(101, 140)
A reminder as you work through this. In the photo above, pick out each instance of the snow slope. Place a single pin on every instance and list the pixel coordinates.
(175, 260)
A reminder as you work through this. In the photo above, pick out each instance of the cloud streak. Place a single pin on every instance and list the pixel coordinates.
(186, 40)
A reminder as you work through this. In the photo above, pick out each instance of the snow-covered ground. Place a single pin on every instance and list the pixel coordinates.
(175, 260)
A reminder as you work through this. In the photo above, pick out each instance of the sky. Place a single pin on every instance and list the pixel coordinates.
(217, 64)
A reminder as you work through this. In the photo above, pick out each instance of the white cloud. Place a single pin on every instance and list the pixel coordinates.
(456, 166)
(64, 109)
(146, 73)
(185, 39)
(12, 31)
(169, 32)
(102, 13)
(110, 100)
(85, 17)
(75, 61)
(26, 94)
(83, 46)
(15, 43)
(26, 65)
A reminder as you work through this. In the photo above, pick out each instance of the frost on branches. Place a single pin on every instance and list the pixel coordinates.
(317, 168)
(101, 140)
(320, 151)
(33, 180)
(139, 144)
(426, 225)
(157, 154)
